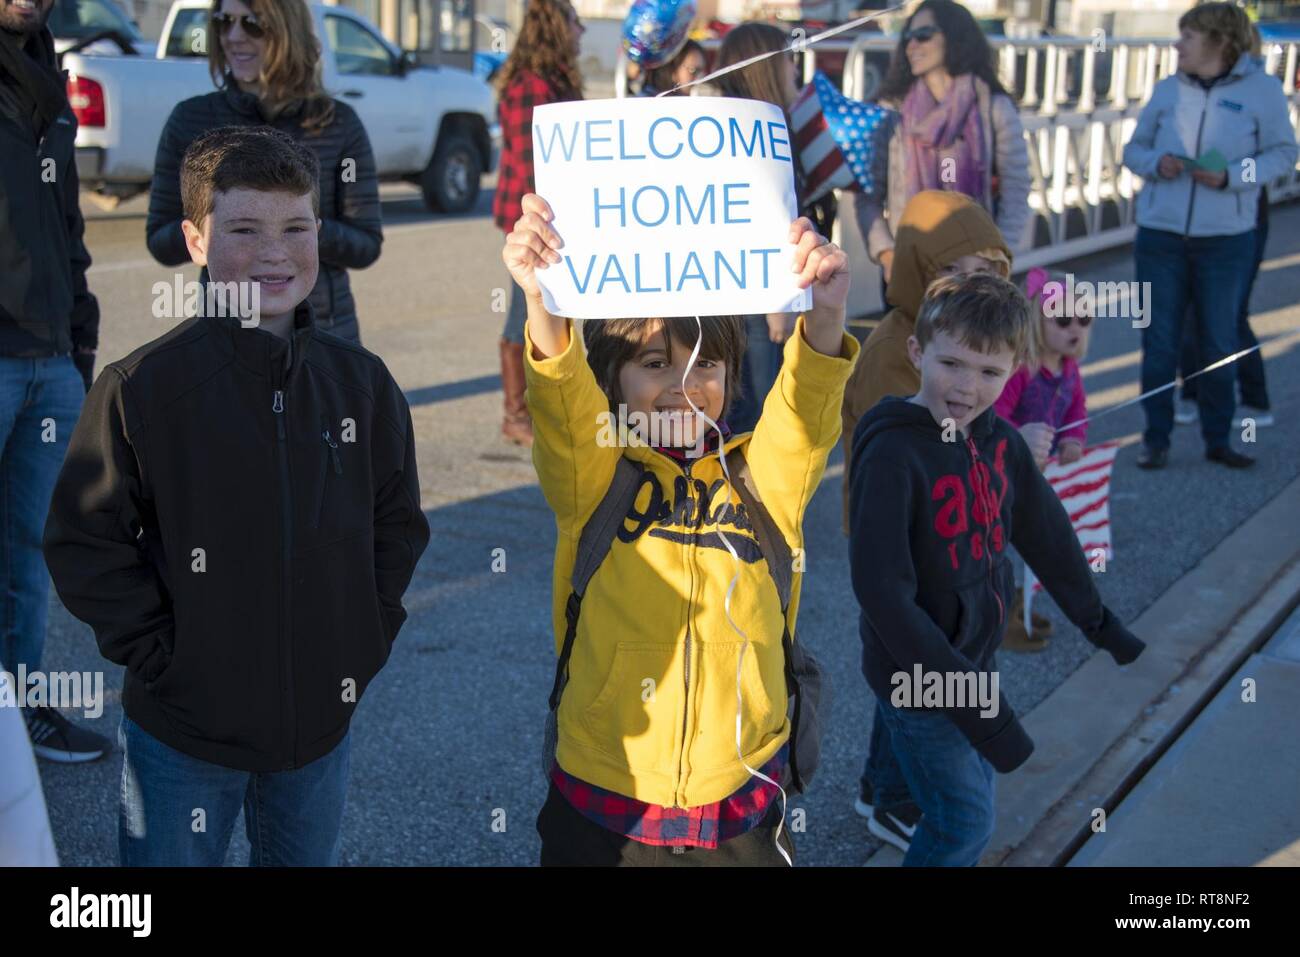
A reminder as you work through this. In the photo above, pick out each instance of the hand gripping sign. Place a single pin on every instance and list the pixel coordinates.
(676, 206)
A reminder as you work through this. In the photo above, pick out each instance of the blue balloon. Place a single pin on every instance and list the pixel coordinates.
(655, 30)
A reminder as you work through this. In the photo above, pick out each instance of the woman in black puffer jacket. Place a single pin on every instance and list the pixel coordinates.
(266, 64)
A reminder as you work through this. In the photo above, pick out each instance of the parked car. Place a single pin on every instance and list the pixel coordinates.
(85, 24)
(432, 126)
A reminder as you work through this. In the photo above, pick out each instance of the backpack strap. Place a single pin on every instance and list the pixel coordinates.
(780, 560)
(780, 564)
(593, 545)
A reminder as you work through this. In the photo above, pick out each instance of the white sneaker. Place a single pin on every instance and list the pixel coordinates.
(1261, 417)
(1185, 412)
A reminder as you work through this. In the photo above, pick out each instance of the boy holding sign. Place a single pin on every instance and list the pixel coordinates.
(674, 687)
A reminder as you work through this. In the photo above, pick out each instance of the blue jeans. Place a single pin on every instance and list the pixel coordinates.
(758, 370)
(516, 315)
(882, 771)
(1211, 273)
(40, 400)
(292, 818)
(1250, 368)
(950, 782)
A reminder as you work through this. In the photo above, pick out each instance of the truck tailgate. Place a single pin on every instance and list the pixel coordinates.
(139, 95)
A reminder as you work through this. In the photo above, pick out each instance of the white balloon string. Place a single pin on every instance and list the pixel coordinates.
(731, 585)
(1156, 391)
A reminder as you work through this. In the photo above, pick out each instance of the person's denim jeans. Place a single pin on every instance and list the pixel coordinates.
(516, 315)
(758, 370)
(40, 400)
(950, 782)
(882, 771)
(178, 811)
(1211, 273)
(1250, 368)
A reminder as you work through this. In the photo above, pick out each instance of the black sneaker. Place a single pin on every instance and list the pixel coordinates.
(55, 738)
(1152, 458)
(895, 825)
(1226, 456)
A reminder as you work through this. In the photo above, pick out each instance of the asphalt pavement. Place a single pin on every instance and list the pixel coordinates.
(447, 742)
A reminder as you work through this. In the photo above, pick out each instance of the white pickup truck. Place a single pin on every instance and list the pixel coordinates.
(432, 126)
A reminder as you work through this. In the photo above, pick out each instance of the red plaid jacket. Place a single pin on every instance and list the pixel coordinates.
(515, 176)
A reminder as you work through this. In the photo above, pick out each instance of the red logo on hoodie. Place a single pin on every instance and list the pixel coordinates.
(955, 514)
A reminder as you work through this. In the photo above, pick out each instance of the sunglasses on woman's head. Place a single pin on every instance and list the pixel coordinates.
(920, 34)
(1064, 321)
(225, 22)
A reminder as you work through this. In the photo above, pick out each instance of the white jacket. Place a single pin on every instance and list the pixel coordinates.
(1244, 116)
(1005, 135)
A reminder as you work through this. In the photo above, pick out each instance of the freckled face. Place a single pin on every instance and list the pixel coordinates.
(260, 237)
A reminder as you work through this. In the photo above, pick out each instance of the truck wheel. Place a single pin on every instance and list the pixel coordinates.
(451, 181)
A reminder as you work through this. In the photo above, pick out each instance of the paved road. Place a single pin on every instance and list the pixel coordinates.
(449, 734)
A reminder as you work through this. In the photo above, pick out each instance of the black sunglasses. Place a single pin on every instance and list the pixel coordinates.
(920, 34)
(225, 22)
(1064, 321)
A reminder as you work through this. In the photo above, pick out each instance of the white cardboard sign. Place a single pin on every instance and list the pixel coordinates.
(670, 206)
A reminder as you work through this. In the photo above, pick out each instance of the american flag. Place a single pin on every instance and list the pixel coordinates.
(1084, 489)
(842, 143)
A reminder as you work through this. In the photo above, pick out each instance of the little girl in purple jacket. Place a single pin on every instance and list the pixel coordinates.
(1040, 398)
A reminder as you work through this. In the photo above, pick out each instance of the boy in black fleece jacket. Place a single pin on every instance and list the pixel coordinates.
(940, 488)
(237, 518)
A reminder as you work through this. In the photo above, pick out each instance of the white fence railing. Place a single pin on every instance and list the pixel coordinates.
(1079, 103)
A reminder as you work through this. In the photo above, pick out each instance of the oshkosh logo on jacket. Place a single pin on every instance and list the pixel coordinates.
(695, 514)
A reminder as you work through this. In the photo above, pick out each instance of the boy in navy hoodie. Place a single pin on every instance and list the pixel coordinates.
(941, 487)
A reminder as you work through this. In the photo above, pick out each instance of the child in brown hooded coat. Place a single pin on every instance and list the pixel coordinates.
(939, 234)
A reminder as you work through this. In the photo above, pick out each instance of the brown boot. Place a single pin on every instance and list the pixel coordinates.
(1040, 625)
(516, 423)
(1016, 638)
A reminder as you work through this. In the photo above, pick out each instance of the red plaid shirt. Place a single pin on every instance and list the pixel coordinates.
(705, 826)
(515, 176)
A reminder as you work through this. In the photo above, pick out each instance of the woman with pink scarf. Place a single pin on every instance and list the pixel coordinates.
(959, 130)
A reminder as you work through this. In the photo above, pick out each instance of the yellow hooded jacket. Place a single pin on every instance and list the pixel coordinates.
(650, 707)
(936, 228)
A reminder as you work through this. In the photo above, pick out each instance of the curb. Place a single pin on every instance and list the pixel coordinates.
(1198, 634)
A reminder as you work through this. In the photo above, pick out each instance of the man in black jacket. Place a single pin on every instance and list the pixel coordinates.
(238, 517)
(49, 327)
